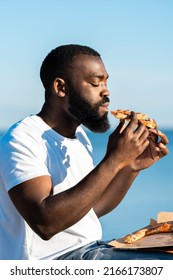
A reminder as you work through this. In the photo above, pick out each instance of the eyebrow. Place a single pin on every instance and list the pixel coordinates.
(100, 76)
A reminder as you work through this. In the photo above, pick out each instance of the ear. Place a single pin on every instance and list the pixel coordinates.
(59, 87)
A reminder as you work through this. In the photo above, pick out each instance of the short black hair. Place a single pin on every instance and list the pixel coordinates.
(58, 62)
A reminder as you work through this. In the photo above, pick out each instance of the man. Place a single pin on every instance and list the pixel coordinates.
(51, 194)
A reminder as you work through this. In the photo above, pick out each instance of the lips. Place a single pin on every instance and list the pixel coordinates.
(104, 106)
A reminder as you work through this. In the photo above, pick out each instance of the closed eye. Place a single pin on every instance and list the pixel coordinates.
(95, 85)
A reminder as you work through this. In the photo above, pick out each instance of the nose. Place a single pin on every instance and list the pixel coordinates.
(105, 91)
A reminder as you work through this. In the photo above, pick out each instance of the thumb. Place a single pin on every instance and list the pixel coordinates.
(120, 127)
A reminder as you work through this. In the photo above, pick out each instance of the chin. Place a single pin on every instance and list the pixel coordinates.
(98, 125)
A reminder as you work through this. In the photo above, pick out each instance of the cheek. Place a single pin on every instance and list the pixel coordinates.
(86, 92)
(90, 94)
(90, 99)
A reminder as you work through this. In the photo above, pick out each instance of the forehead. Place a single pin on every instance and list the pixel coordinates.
(89, 65)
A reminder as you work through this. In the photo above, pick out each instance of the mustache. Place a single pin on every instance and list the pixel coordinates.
(104, 100)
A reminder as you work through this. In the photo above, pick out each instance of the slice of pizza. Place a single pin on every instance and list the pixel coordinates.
(159, 228)
(135, 236)
(126, 114)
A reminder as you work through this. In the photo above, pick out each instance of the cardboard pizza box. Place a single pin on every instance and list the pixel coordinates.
(164, 217)
(161, 241)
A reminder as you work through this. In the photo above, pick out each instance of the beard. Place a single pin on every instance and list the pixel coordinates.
(88, 114)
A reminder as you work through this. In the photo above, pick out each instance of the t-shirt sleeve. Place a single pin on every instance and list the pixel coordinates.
(22, 158)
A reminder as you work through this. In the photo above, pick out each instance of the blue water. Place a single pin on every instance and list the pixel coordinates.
(152, 192)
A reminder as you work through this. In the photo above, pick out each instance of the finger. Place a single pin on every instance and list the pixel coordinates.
(163, 148)
(153, 135)
(122, 125)
(145, 143)
(144, 136)
(119, 128)
(133, 121)
(164, 138)
(153, 130)
(141, 131)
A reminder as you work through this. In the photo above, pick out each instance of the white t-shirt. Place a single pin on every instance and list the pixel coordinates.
(30, 148)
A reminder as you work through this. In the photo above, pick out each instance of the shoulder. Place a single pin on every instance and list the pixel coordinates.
(22, 128)
(24, 133)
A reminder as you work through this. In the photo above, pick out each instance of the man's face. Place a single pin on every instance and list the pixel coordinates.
(88, 94)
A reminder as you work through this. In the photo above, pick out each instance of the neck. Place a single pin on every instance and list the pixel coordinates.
(59, 120)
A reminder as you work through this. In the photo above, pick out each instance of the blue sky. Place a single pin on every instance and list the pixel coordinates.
(134, 37)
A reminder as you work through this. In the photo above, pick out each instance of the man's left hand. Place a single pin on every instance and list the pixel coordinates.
(156, 150)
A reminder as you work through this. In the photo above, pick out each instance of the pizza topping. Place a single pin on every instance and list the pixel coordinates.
(126, 114)
(134, 237)
(161, 228)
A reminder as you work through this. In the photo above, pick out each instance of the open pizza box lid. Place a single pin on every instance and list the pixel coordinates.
(160, 241)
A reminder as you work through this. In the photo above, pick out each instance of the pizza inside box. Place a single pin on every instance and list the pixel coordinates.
(157, 241)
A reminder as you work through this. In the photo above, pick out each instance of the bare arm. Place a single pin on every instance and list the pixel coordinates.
(115, 192)
(48, 214)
